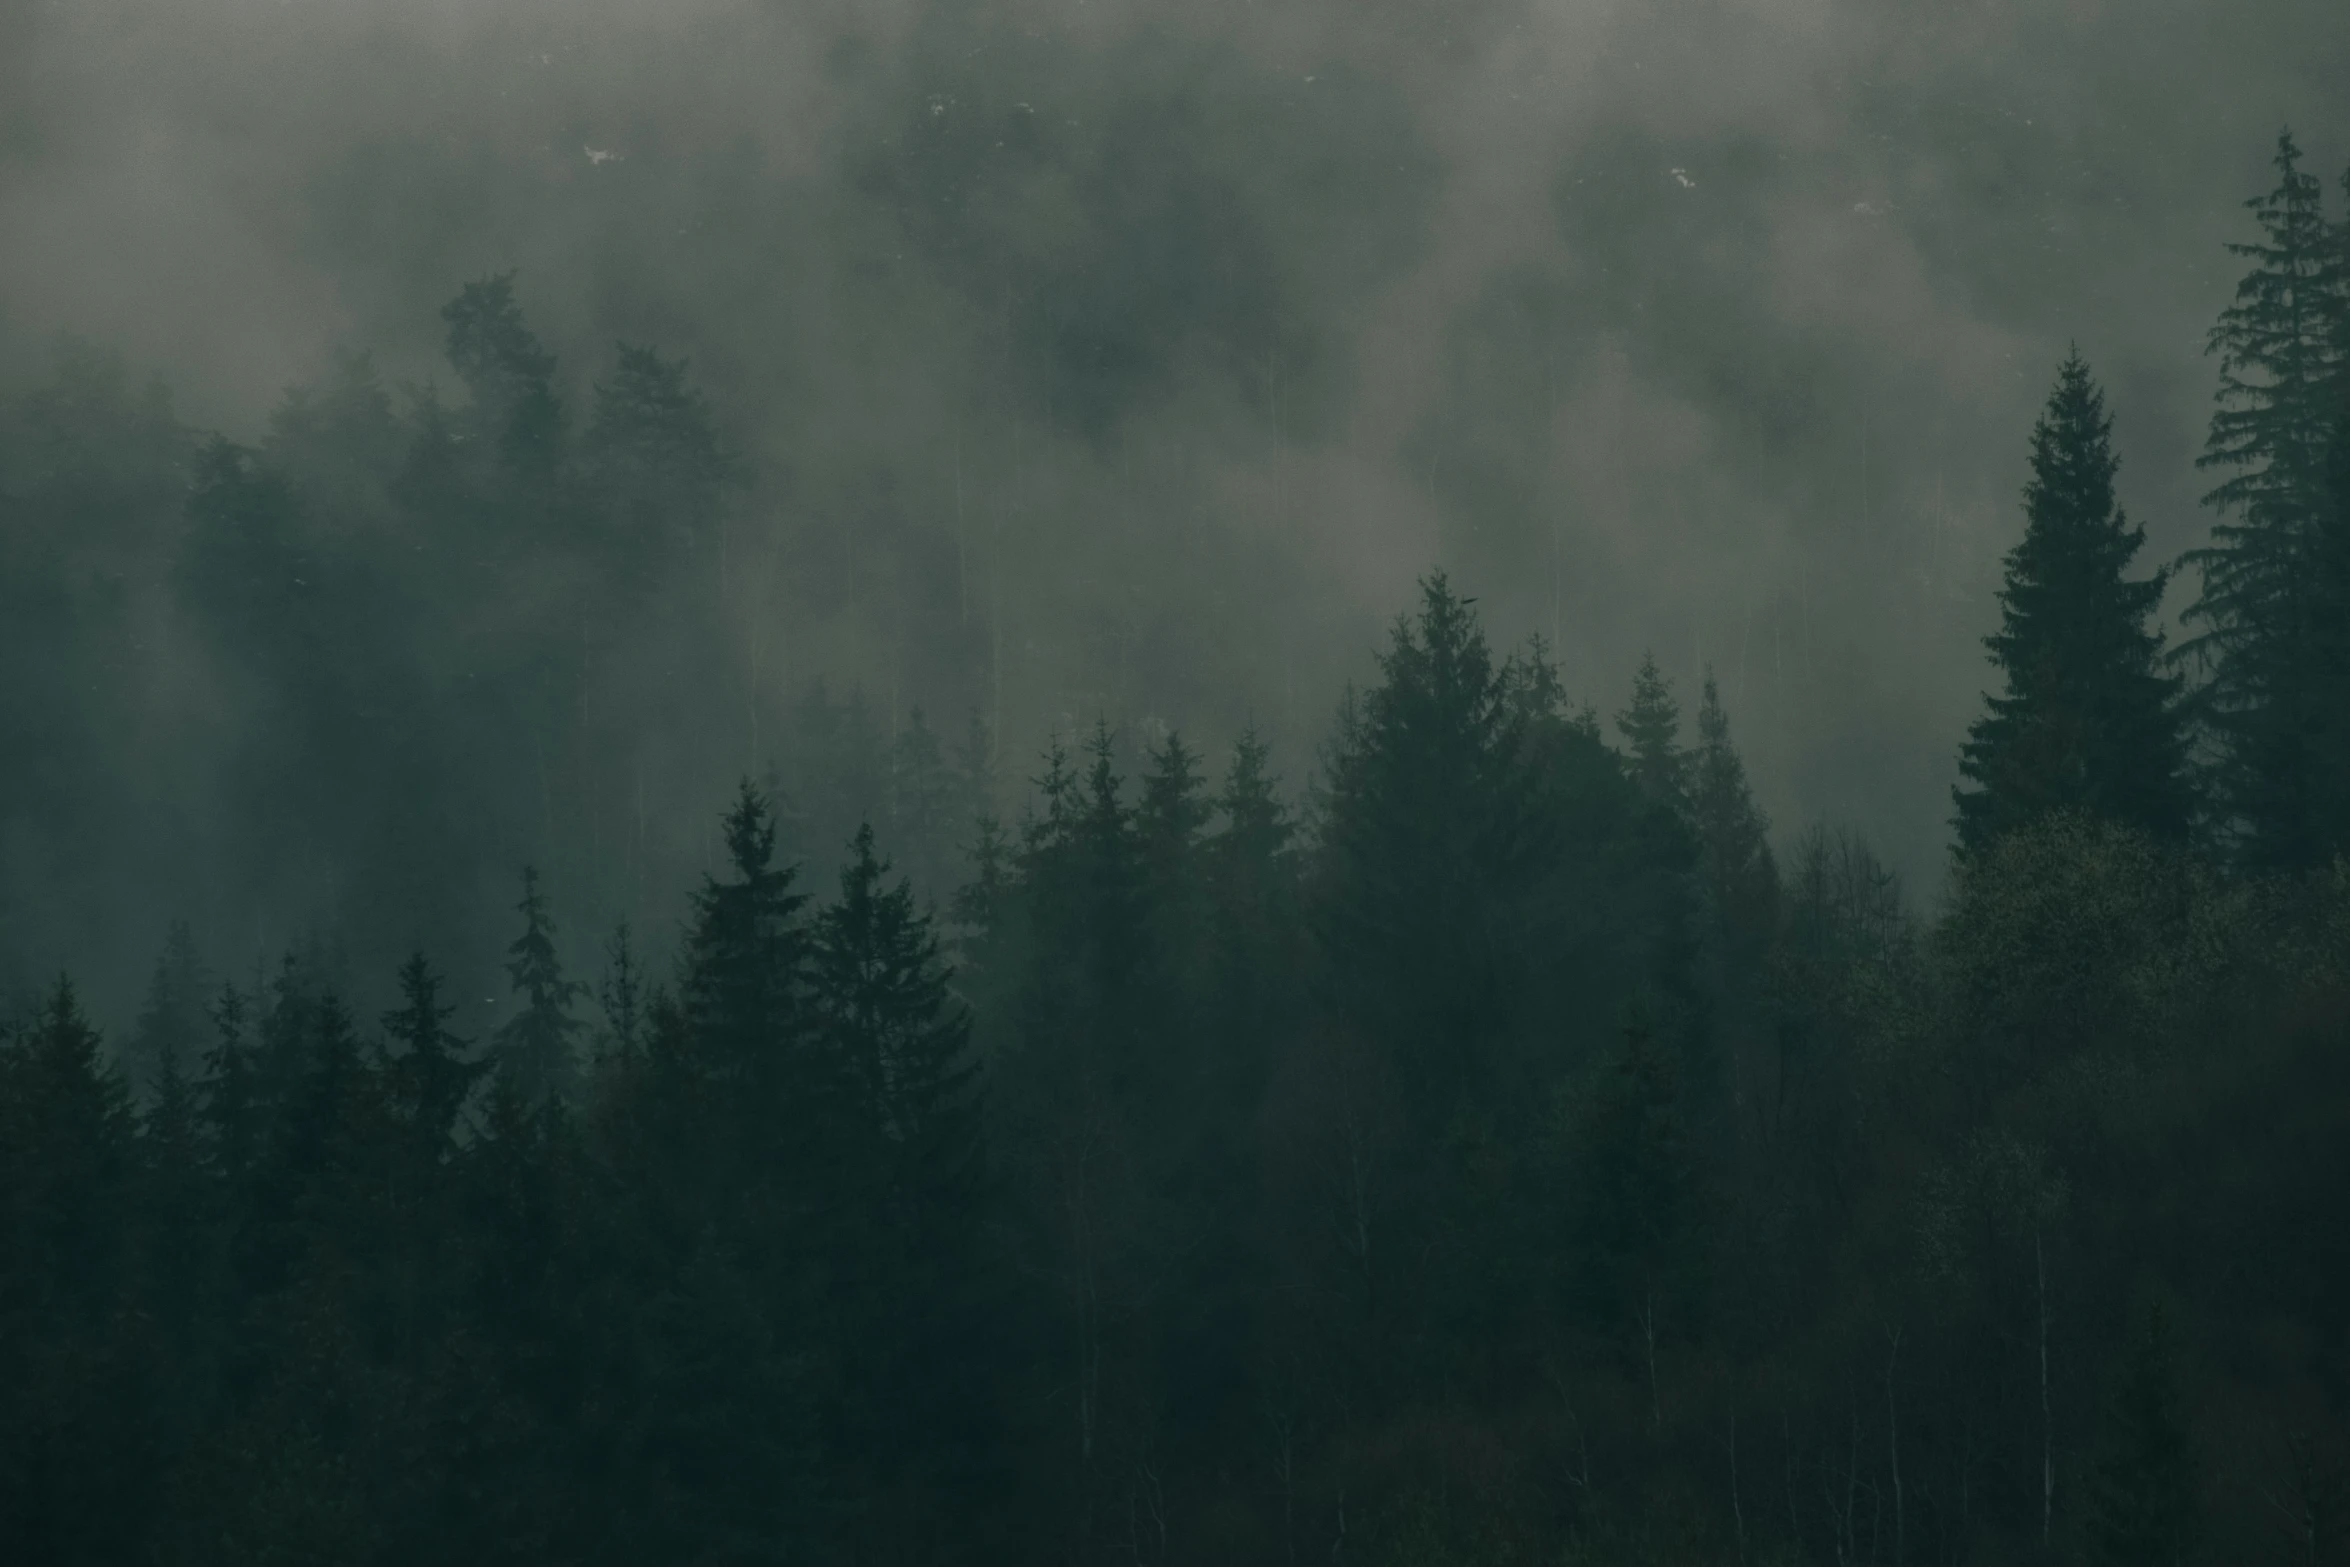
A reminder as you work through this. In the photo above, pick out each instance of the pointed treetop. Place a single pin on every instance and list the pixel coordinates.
(2087, 721)
(1651, 727)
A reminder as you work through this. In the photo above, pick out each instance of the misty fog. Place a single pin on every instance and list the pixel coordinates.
(894, 781)
(1133, 360)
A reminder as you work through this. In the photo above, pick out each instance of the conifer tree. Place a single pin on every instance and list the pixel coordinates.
(341, 444)
(171, 1022)
(181, 1210)
(621, 1000)
(928, 814)
(2088, 720)
(896, 1036)
(429, 1077)
(653, 448)
(508, 371)
(1651, 727)
(70, 1441)
(1427, 811)
(1252, 874)
(2262, 626)
(230, 1094)
(67, 1151)
(1733, 835)
(746, 950)
(1170, 817)
(538, 1047)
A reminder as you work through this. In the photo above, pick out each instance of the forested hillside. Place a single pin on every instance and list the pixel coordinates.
(1485, 1140)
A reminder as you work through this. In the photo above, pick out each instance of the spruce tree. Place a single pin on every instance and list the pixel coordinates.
(1253, 884)
(899, 1044)
(2088, 721)
(171, 1023)
(508, 371)
(1170, 819)
(72, 1436)
(428, 1076)
(1427, 809)
(654, 451)
(2263, 629)
(1651, 728)
(741, 993)
(1733, 835)
(897, 1038)
(538, 1047)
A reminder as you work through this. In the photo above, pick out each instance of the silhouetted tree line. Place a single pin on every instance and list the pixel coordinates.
(1492, 1153)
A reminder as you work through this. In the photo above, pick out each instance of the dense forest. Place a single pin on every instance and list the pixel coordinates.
(1483, 1140)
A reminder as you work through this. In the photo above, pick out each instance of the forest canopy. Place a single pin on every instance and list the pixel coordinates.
(1481, 1139)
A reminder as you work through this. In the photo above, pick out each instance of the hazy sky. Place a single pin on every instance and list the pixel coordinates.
(1183, 337)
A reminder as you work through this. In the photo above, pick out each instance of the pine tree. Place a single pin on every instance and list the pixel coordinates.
(741, 994)
(1252, 874)
(926, 810)
(620, 998)
(538, 1047)
(429, 1077)
(897, 1037)
(230, 1093)
(653, 448)
(72, 1426)
(67, 1150)
(242, 564)
(1170, 817)
(1651, 727)
(342, 444)
(509, 372)
(2089, 722)
(2262, 628)
(1427, 814)
(1733, 835)
(171, 1022)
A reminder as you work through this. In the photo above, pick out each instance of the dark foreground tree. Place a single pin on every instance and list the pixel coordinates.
(2088, 720)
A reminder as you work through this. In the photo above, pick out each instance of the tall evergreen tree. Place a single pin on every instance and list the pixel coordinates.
(742, 990)
(2089, 721)
(2261, 627)
(654, 450)
(171, 1023)
(1170, 817)
(1651, 728)
(1252, 874)
(1428, 812)
(509, 372)
(72, 1425)
(1733, 835)
(539, 1046)
(897, 1037)
(429, 1077)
